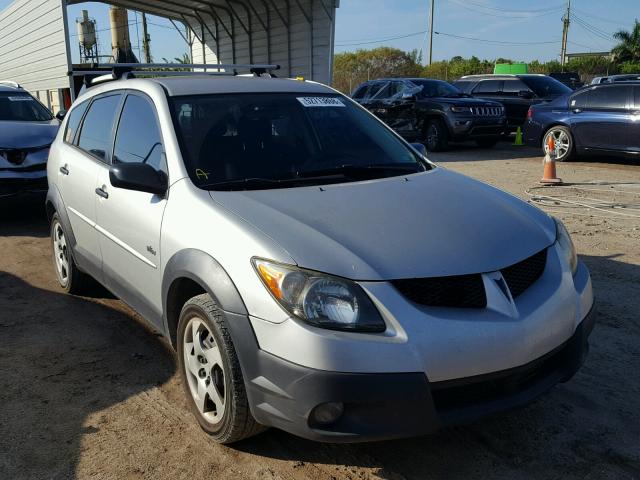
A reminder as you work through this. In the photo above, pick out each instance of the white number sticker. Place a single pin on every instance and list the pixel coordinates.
(20, 99)
(320, 102)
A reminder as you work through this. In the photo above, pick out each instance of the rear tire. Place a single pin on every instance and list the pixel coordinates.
(211, 373)
(436, 136)
(565, 148)
(70, 278)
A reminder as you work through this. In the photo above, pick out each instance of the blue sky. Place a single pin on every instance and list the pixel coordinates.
(495, 28)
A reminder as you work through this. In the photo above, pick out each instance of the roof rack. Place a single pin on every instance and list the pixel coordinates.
(97, 73)
(10, 83)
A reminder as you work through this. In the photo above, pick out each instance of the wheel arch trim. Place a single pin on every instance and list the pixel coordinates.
(55, 204)
(205, 271)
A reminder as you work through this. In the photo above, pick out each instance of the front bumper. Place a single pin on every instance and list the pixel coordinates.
(475, 128)
(381, 406)
(13, 186)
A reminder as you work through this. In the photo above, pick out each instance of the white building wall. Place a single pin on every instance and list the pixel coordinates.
(33, 50)
(302, 43)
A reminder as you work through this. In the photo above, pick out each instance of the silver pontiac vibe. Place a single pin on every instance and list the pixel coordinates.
(313, 271)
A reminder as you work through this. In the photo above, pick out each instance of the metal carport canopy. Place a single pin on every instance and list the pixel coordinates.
(297, 34)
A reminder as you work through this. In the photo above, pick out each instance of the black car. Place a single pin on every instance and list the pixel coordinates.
(516, 92)
(570, 79)
(432, 111)
(27, 129)
(596, 119)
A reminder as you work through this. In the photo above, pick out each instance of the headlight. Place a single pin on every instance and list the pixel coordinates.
(460, 109)
(563, 239)
(321, 300)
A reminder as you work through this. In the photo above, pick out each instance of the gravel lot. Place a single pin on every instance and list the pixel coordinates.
(86, 391)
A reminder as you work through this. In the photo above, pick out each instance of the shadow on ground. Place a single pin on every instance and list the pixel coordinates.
(23, 215)
(64, 358)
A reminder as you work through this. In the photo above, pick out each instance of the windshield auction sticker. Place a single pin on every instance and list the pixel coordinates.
(320, 102)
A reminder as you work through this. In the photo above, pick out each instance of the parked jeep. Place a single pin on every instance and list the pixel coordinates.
(432, 111)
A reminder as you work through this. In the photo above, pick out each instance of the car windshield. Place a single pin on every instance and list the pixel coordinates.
(268, 140)
(437, 88)
(546, 86)
(22, 107)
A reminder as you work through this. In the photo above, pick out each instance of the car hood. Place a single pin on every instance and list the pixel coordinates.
(27, 134)
(436, 223)
(463, 101)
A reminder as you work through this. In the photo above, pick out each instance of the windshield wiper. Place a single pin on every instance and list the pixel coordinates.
(359, 171)
(258, 183)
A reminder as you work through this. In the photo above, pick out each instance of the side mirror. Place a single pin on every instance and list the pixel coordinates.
(61, 114)
(409, 97)
(140, 177)
(525, 94)
(420, 148)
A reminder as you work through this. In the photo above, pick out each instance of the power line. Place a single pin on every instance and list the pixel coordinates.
(595, 17)
(381, 40)
(496, 42)
(505, 14)
(504, 10)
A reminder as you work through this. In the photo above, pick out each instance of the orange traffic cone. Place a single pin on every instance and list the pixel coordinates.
(549, 176)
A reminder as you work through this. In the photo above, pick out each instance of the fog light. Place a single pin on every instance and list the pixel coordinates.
(327, 413)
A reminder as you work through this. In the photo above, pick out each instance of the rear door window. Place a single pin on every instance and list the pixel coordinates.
(489, 86)
(514, 86)
(138, 139)
(95, 136)
(382, 93)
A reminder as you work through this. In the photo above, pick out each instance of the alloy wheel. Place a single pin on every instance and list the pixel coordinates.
(61, 253)
(204, 370)
(433, 136)
(562, 143)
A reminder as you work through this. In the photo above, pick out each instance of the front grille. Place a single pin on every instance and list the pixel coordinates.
(463, 291)
(487, 111)
(522, 275)
(467, 291)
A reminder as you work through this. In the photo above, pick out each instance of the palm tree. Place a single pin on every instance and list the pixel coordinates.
(628, 50)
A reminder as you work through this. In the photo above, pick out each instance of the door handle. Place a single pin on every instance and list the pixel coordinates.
(64, 170)
(102, 193)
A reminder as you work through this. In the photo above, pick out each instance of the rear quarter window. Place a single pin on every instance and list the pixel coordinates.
(614, 97)
(75, 117)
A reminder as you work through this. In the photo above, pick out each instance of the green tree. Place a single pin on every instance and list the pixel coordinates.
(353, 68)
(628, 50)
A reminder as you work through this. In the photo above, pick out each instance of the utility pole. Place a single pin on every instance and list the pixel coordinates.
(146, 39)
(566, 20)
(431, 12)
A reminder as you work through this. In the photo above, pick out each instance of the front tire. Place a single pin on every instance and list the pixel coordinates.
(211, 372)
(436, 136)
(70, 278)
(563, 140)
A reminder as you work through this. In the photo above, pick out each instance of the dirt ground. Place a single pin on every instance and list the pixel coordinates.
(87, 392)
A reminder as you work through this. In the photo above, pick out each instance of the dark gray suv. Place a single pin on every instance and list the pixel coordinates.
(432, 111)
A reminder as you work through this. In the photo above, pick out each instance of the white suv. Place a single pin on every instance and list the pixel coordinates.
(313, 270)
